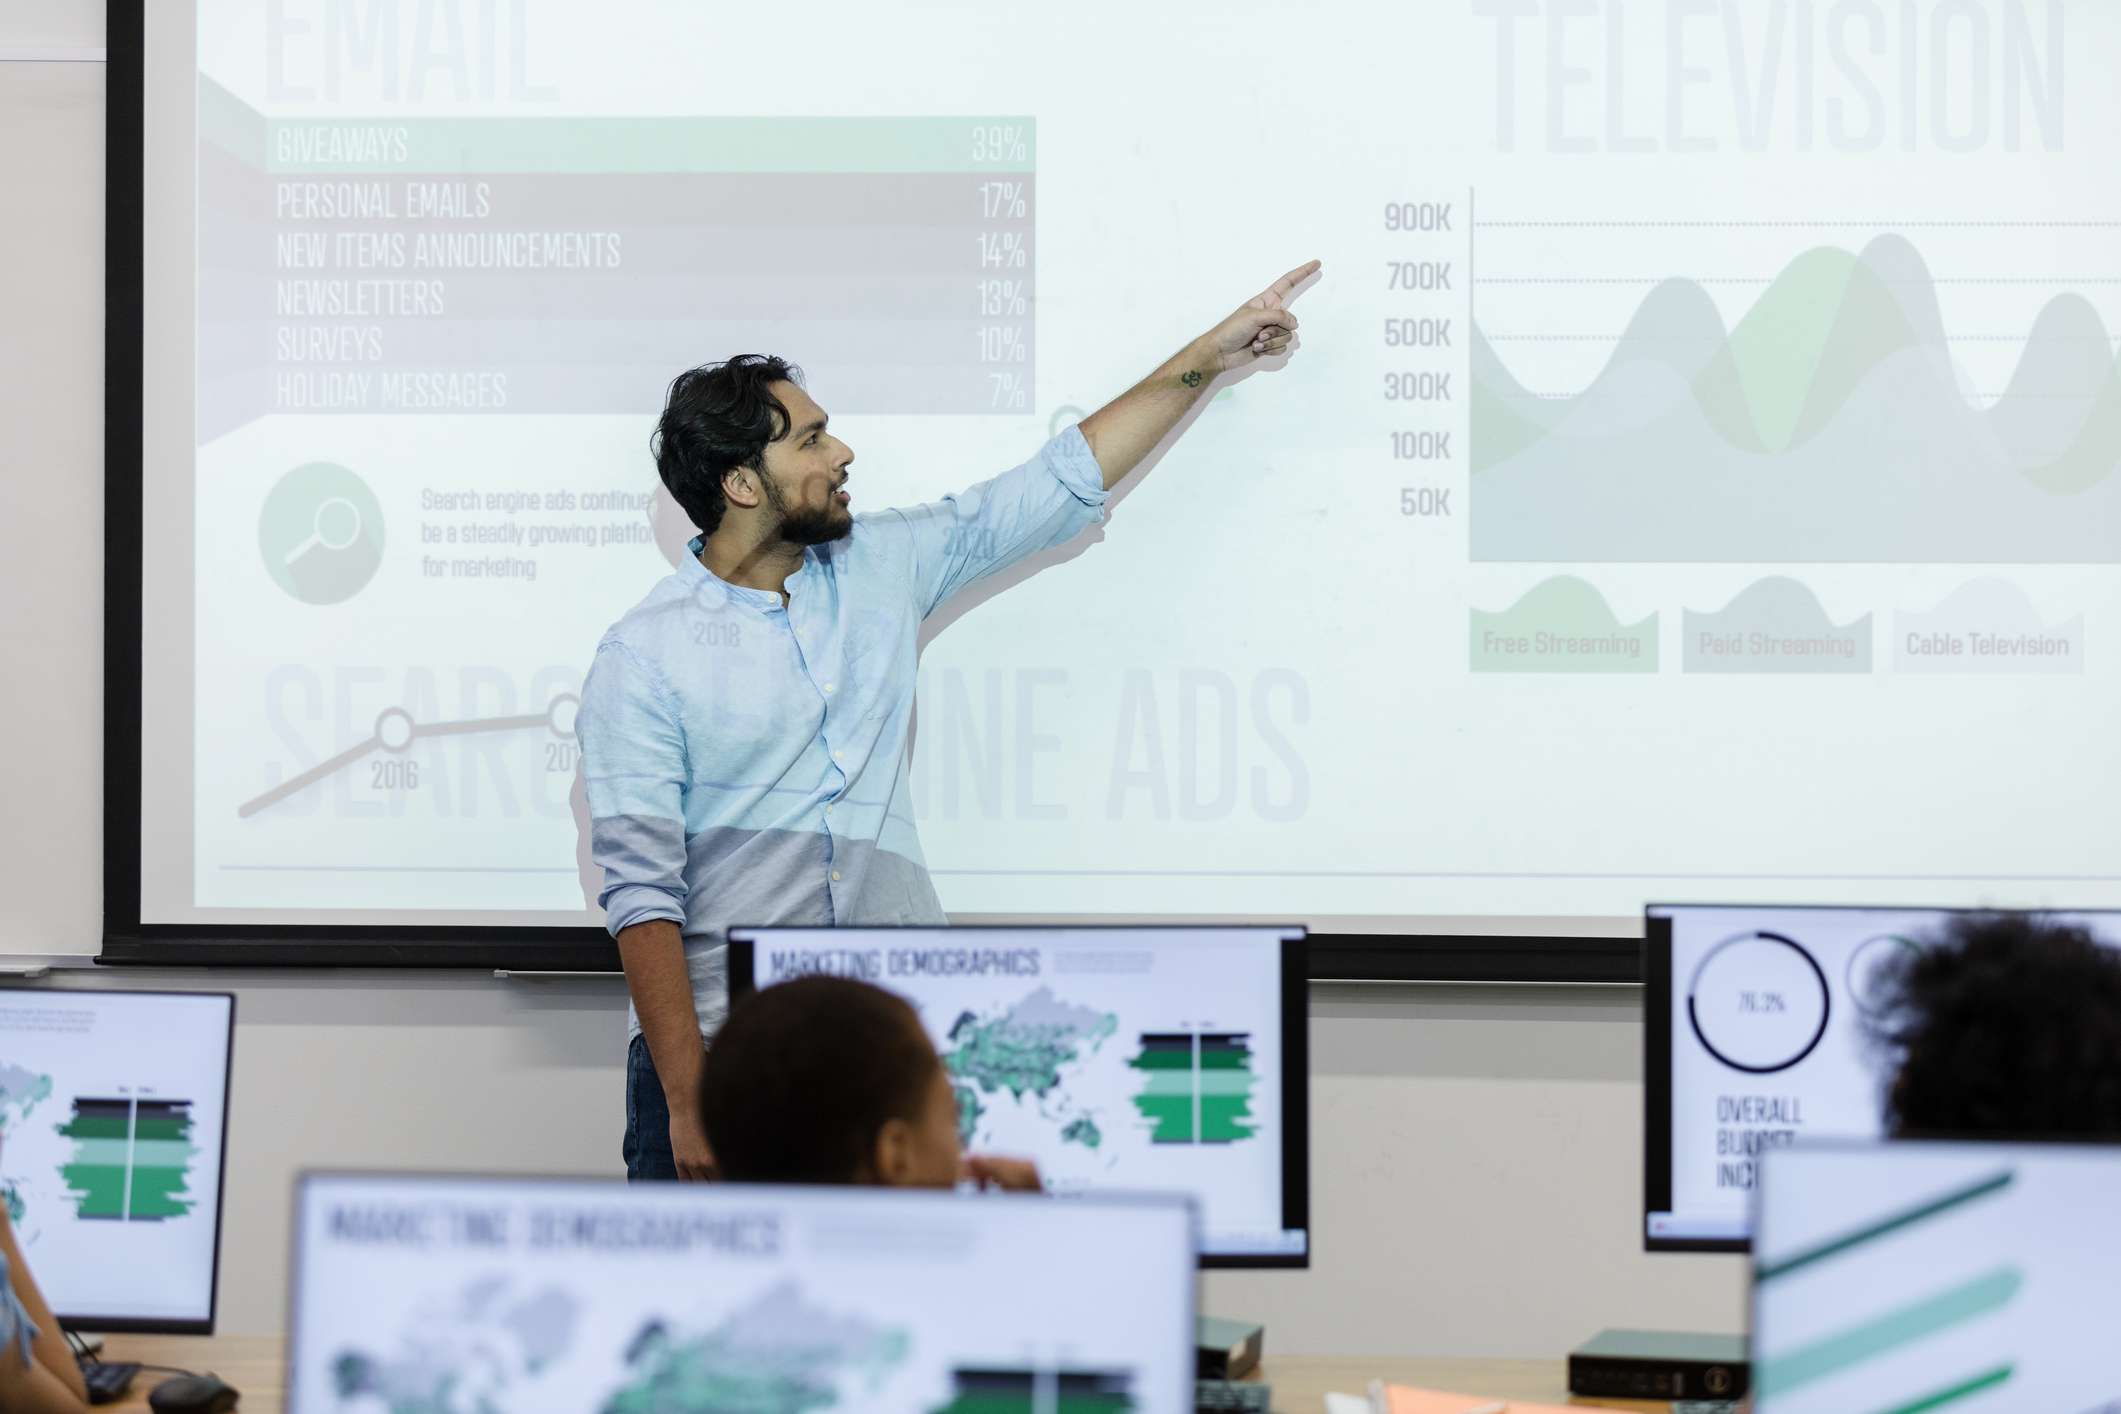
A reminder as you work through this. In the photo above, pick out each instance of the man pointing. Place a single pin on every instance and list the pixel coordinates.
(743, 728)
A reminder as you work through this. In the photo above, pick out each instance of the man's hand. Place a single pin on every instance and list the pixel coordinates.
(1262, 326)
(688, 1145)
(1009, 1175)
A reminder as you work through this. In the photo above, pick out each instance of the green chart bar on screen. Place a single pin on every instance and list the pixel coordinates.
(1197, 1086)
(132, 1158)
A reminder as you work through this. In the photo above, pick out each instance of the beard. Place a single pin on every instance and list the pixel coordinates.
(802, 525)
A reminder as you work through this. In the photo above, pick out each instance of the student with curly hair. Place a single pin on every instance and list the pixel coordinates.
(2009, 1026)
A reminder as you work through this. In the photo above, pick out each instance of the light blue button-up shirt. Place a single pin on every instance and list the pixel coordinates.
(746, 762)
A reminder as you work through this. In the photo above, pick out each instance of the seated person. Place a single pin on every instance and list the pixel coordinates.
(829, 1080)
(2009, 1026)
(38, 1374)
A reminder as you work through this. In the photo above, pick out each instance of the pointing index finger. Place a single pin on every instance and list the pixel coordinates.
(1296, 277)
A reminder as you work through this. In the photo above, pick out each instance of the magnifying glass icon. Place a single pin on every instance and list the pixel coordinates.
(343, 530)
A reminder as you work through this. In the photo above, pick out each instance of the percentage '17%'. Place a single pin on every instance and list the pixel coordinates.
(1004, 199)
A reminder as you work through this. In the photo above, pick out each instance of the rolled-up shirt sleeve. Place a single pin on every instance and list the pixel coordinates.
(962, 538)
(634, 769)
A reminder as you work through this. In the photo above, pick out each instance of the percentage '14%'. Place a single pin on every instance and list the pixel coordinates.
(1003, 250)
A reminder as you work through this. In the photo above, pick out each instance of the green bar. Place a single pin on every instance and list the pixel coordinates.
(101, 1151)
(1170, 1115)
(1223, 1121)
(1834, 1247)
(1160, 1059)
(1953, 1392)
(1223, 1082)
(160, 1193)
(1985, 1293)
(673, 144)
(1021, 1404)
(163, 1153)
(1225, 1060)
(98, 1190)
(96, 1127)
(169, 1130)
(1165, 1082)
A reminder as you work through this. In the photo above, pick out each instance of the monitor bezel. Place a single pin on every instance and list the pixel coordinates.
(158, 1325)
(1295, 1068)
(306, 1178)
(1657, 991)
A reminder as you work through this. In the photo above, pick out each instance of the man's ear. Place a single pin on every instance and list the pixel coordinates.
(893, 1157)
(740, 487)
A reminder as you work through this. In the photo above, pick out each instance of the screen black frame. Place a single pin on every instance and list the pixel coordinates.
(127, 939)
(1295, 1062)
(157, 1325)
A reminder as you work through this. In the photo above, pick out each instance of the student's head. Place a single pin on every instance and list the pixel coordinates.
(741, 439)
(829, 1080)
(2007, 1025)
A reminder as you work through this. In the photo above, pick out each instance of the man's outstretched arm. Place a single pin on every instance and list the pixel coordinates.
(1126, 429)
(1050, 499)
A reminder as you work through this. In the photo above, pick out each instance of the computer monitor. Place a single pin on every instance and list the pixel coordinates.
(524, 1293)
(1917, 1275)
(113, 1133)
(1754, 1038)
(1165, 1059)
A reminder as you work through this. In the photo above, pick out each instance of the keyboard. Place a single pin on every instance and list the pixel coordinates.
(1243, 1396)
(108, 1380)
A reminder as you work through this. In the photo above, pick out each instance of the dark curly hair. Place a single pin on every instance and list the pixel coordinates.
(804, 1075)
(718, 416)
(2006, 1025)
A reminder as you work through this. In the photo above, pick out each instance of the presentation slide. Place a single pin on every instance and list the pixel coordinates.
(1768, 1044)
(1135, 1060)
(1931, 1276)
(1698, 473)
(112, 1106)
(532, 1294)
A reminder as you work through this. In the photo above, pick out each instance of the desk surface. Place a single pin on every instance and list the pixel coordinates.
(253, 1365)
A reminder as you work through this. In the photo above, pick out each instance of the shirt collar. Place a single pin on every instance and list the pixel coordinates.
(695, 570)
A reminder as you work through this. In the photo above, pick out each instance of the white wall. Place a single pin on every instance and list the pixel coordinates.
(1477, 1151)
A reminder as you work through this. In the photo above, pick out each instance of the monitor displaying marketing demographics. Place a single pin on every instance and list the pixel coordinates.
(113, 1130)
(1164, 1059)
(1915, 1275)
(1756, 1038)
(522, 1293)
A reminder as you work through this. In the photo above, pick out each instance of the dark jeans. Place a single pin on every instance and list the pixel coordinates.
(647, 1146)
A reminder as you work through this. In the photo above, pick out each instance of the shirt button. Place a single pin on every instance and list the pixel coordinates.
(838, 756)
(828, 810)
(828, 687)
(835, 876)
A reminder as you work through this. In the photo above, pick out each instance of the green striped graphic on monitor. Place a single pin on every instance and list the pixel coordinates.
(1196, 1086)
(131, 1160)
(1023, 1391)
